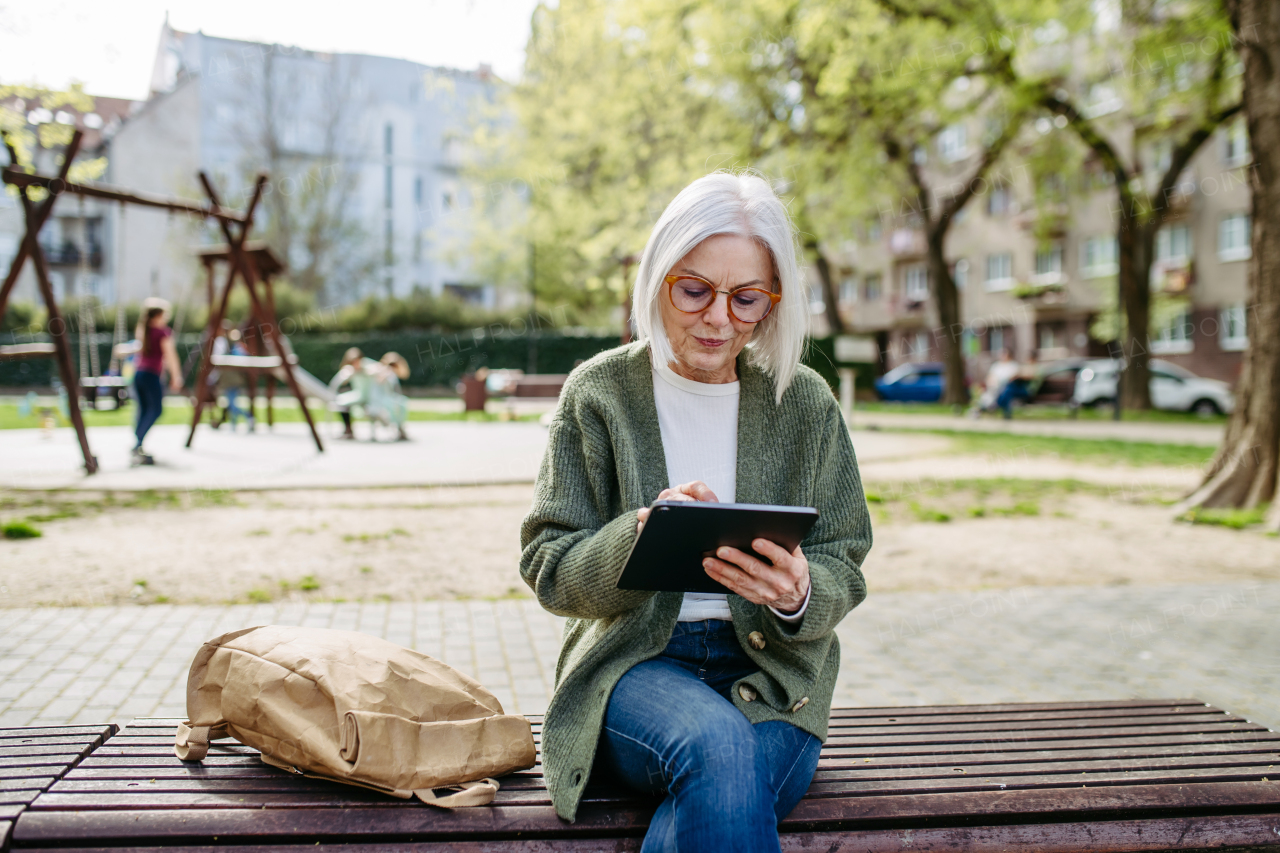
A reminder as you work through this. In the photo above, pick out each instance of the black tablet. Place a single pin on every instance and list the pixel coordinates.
(667, 555)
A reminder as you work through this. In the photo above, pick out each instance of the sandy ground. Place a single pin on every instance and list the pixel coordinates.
(463, 542)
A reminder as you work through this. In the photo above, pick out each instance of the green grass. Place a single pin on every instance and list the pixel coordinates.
(1044, 413)
(179, 413)
(923, 513)
(1101, 451)
(1236, 519)
(998, 497)
(374, 537)
(20, 530)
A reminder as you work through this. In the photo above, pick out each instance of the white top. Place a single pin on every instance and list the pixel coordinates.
(699, 425)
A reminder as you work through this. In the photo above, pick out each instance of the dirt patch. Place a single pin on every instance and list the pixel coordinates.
(393, 544)
(447, 543)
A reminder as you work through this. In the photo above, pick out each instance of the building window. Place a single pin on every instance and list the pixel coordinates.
(848, 291)
(999, 200)
(1174, 336)
(953, 143)
(916, 282)
(1173, 245)
(1099, 257)
(1231, 330)
(1050, 338)
(998, 339)
(1233, 237)
(1162, 156)
(1235, 150)
(873, 287)
(417, 193)
(999, 271)
(960, 274)
(874, 231)
(1049, 264)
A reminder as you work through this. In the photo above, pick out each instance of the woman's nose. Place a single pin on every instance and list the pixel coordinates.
(717, 313)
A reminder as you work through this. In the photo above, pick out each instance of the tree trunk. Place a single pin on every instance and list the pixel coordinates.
(1135, 241)
(1243, 473)
(834, 320)
(955, 389)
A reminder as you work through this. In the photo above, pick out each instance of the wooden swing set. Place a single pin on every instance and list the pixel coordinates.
(242, 266)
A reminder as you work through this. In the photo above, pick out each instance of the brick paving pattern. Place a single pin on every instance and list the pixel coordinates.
(1218, 642)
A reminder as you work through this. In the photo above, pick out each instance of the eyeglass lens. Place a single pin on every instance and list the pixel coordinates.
(748, 304)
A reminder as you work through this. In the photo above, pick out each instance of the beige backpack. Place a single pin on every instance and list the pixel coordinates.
(353, 708)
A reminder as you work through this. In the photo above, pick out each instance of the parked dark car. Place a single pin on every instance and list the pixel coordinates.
(912, 383)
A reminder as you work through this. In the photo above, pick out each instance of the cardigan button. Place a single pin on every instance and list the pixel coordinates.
(800, 704)
(747, 692)
(756, 639)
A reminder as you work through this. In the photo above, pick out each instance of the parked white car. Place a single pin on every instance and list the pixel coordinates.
(1173, 388)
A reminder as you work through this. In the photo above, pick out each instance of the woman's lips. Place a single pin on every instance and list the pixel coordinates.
(710, 342)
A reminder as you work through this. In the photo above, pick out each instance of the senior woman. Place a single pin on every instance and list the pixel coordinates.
(719, 703)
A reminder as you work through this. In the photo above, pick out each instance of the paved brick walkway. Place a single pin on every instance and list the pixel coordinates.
(1219, 642)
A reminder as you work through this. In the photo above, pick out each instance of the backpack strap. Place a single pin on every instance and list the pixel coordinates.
(192, 742)
(465, 794)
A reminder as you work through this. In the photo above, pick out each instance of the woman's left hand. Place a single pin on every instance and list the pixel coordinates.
(781, 580)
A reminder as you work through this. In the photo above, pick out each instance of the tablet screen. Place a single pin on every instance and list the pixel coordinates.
(667, 555)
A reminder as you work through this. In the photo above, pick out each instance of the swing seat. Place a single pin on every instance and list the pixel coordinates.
(114, 388)
(21, 352)
(250, 362)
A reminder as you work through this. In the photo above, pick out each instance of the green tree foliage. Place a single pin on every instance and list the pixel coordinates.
(610, 120)
(29, 141)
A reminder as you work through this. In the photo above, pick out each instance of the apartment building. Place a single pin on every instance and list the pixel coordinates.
(1029, 293)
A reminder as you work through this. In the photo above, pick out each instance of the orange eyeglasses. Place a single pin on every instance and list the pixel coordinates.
(691, 294)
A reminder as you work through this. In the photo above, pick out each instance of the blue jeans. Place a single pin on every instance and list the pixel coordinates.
(670, 728)
(1014, 389)
(146, 386)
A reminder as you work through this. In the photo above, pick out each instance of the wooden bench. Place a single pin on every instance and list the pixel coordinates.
(22, 352)
(1135, 775)
(32, 759)
(539, 385)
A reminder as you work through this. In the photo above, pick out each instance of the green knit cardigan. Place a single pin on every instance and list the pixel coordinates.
(604, 461)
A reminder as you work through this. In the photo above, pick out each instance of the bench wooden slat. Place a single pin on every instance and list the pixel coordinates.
(405, 820)
(1137, 836)
(21, 783)
(883, 727)
(30, 732)
(156, 793)
(1015, 707)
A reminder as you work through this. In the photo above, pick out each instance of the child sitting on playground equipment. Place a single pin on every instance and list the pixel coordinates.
(375, 388)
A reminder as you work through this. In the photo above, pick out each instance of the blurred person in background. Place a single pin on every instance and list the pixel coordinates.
(387, 404)
(156, 353)
(1020, 387)
(351, 372)
(1000, 374)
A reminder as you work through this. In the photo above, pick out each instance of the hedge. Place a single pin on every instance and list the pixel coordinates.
(435, 360)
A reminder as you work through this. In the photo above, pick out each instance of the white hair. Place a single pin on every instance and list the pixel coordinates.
(727, 203)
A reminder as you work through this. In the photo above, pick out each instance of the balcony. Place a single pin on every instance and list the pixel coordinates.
(1173, 277)
(907, 243)
(1044, 289)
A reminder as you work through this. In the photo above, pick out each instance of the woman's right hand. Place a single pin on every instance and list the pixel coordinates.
(694, 491)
